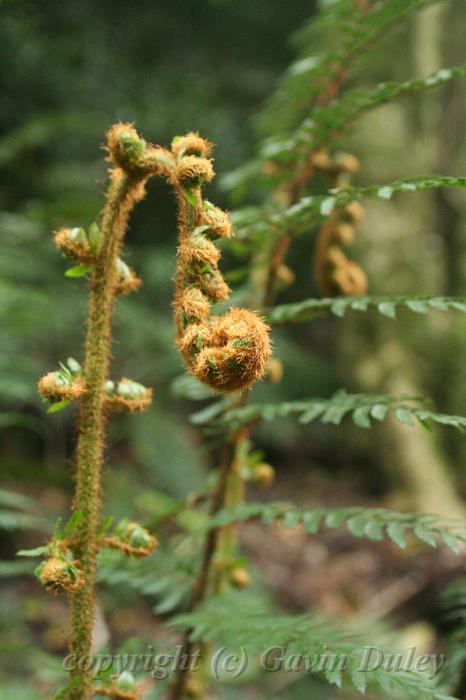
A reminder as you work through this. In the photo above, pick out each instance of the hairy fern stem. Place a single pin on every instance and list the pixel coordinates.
(120, 200)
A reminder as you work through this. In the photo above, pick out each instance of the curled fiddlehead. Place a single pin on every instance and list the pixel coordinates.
(228, 352)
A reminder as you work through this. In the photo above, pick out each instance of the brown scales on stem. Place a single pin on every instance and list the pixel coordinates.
(229, 352)
(133, 162)
(126, 188)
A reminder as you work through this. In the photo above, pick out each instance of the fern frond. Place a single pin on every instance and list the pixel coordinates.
(361, 407)
(370, 523)
(12, 519)
(333, 119)
(253, 627)
(386, 305)
(167, 579)
(353, 32)
(187, 386)
(305, 215)
(454, 602)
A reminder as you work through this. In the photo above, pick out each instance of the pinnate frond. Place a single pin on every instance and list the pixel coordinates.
(386, 305)
(254, 627)
(363, 409)
(370, 523)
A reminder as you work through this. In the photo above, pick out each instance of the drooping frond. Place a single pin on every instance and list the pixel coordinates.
(386, 305)
(370, 523)
(319, 645)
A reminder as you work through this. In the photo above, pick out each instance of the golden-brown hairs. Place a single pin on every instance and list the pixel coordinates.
(226, 352)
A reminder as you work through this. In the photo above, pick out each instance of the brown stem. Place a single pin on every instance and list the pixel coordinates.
(203, 577)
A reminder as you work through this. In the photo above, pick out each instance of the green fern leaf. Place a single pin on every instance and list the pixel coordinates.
(370, 523)
(237, 621)
(331, 411)
(311, 308)
(353, 33)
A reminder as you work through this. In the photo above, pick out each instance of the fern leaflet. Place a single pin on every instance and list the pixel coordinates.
(370, 523)
(361, 407)
(387, 306)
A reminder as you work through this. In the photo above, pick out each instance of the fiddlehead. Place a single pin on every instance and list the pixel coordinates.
(227, 352)
(337, 275)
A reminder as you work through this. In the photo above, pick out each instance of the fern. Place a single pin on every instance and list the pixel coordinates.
(361, 407)
(168, 580)
(387, 306)
(354, 33)
(254, 628)
(370, 523)
(454, 600)
(256, 223)
(331, 121)
(11, 517)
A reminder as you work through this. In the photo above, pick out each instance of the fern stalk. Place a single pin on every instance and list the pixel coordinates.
(120, 200)
(203, 578)
(71, 564)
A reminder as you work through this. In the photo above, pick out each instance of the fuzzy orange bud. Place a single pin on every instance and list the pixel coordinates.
(236, 351)
(192, 171)
(127, 397)
(217, 220)
(127, 280)
(73, 243)
(191, 144)
(126, 148)
(132, 539)
(58, 575)
(197, 248)
(193, 306)
(54, 387)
